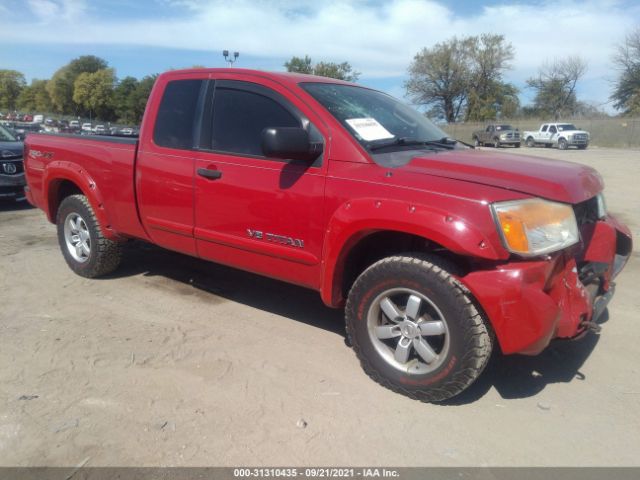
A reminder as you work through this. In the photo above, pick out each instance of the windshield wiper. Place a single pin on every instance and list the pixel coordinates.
(404, 141)
(445, 142)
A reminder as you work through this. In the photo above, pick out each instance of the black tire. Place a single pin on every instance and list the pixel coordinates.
(517, 145)
(104, 255)
(582, 147)
(496, 142)
(530, 142)
(477, 142)
(562, 144)
(470, 338)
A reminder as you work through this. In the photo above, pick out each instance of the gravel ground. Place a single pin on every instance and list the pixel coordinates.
(175, 362)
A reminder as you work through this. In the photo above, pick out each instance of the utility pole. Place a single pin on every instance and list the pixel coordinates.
(229, 58)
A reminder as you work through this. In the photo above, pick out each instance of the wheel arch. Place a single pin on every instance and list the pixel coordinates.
(354, 241)
(61, 181)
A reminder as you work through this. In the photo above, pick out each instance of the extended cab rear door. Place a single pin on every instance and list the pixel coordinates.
(258, 213)
(165, 162)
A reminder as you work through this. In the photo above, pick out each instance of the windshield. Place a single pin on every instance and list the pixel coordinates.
(6, 136)
(566, 126)
(373, 118)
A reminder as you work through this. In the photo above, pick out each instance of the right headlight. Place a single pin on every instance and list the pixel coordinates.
(535, 226)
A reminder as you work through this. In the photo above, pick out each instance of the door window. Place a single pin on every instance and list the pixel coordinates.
(552, 129)
(240, 116)
(544, 128)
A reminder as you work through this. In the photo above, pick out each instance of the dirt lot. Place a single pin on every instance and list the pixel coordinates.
(177, 362)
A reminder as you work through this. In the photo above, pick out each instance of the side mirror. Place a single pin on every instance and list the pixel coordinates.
(289, 143)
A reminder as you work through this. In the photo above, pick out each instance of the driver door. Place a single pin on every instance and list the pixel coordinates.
(253, 212)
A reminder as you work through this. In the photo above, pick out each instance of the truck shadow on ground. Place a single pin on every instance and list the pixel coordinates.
(521, 376)
(212, 279)
(513, 376)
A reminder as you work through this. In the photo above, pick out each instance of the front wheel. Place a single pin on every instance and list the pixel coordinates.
(530, 143)
(415, 330)
(476, 142)
(562, 144)
(496, 142)
(87, 252)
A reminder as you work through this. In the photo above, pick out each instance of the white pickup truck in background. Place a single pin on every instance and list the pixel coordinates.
(561, 135)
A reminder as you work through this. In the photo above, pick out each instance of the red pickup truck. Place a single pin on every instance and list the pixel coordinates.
(439, 253)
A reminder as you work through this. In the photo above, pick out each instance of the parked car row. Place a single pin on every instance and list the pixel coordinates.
(20, 129)
(560, 135)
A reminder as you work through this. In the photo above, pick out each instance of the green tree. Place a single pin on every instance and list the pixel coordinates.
(626, 93)
(555, 86)
(62, 83)
(489, 95)
(35, 97)
(300, 65)
(94, 92)
(341, 71)
(11, 84)
(462, 78)
(439, 79)
(123, 99)
(140, 96)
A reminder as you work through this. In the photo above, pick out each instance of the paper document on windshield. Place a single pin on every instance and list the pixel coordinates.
(369, 129)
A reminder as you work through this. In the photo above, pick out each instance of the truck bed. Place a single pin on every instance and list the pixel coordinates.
(81, 159)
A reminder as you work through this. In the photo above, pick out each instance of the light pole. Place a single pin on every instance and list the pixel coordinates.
(230, 59)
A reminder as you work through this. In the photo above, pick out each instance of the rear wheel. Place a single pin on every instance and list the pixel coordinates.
(415, 330)
(530, 143)
(87, 252)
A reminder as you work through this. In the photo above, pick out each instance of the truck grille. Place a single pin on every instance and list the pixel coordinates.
(586, 212)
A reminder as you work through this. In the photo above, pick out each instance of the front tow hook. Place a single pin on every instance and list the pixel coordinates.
(592, 326)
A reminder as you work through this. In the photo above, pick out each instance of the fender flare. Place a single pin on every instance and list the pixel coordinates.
(356, 219)
(57, 172)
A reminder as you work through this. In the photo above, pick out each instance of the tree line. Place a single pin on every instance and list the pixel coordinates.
(85, 87)
(461, 79)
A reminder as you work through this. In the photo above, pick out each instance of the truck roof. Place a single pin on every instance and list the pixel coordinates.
(287, 78)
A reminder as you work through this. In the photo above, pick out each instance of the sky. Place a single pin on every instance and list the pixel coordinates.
(379, 38)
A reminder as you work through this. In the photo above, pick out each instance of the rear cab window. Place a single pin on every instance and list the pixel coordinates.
(177, 117)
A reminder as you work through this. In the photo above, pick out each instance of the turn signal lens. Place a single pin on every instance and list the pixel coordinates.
(535, 227)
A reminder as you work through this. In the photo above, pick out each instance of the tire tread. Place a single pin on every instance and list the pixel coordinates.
(477, 332)
(108, 252)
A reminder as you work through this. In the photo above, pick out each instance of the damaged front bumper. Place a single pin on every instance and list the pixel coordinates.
(561, 296)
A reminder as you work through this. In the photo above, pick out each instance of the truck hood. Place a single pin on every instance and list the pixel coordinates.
(552, 179)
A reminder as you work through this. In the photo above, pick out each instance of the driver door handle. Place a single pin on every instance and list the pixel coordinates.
(209, 174)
